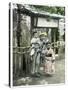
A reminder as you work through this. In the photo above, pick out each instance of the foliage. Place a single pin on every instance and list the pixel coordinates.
(56, 10)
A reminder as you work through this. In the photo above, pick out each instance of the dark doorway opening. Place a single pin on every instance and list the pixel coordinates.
(55, 37)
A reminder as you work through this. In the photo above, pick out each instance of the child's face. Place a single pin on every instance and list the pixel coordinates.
(48, 46)
(43, 38)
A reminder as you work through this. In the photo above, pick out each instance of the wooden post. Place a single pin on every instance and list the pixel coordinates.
(49, 34)
(54, 40)
(32, 25)
(19, 27)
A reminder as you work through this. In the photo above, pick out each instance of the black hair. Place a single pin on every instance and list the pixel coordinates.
(34, 32)
(48, 43)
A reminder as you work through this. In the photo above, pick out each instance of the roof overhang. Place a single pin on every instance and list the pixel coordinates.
(30, 12)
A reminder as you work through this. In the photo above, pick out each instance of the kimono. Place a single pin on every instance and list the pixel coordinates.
(49, 66)
(35, 57)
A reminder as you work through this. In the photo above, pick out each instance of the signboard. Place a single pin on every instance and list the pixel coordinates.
(44, 22)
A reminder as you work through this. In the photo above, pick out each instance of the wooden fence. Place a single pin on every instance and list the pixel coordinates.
(21, 59)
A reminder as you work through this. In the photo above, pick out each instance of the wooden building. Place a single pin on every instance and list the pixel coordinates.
(28, 20)
(31, 20)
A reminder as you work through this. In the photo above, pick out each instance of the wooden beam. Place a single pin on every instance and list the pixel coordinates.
(32, 26)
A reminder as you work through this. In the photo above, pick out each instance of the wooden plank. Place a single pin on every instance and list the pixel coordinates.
(21, 47)
(26, 62)
(19, 55)
(21, 52)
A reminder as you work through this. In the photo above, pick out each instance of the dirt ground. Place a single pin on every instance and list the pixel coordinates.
(58, 77)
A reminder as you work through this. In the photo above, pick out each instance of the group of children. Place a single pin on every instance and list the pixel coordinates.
(46, 54)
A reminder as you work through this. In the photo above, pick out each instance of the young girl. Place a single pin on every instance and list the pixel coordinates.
(49, 67)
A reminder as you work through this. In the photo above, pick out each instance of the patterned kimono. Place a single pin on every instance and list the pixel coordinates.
(49, 66)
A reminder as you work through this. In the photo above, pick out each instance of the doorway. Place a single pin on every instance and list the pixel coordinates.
(55, 38)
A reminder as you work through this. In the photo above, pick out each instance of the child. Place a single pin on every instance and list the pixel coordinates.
(49, 66)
